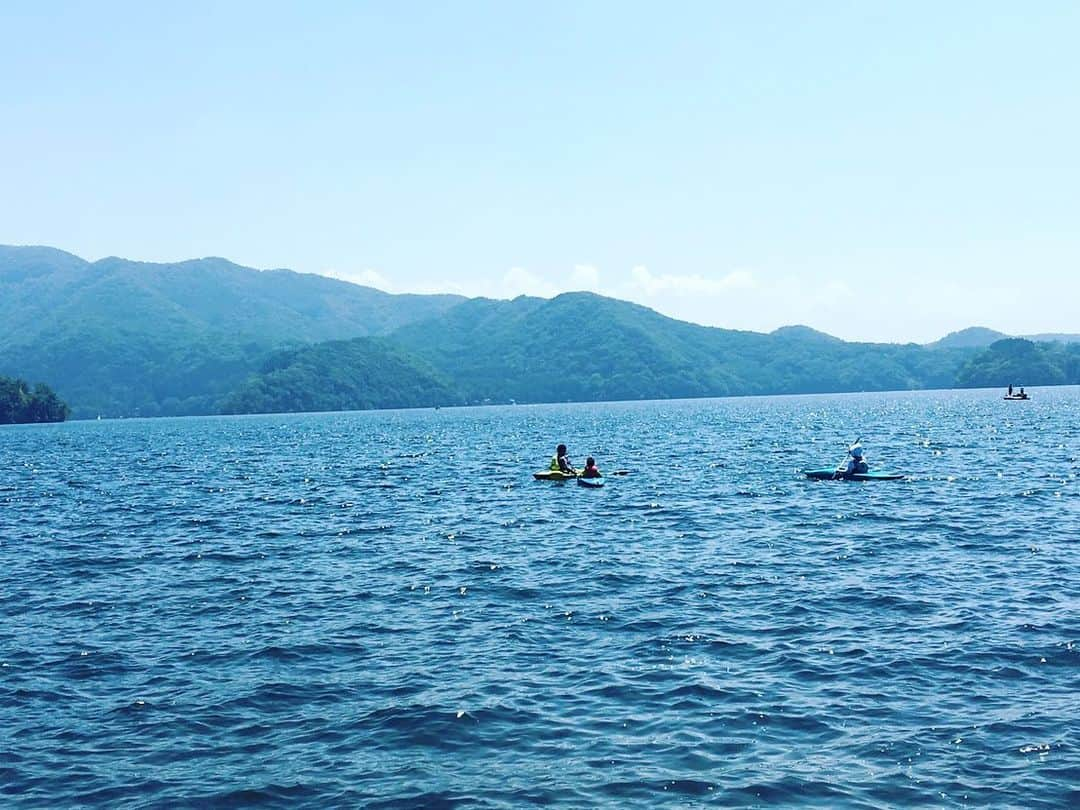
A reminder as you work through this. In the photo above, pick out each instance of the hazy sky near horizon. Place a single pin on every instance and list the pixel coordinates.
(879, 171)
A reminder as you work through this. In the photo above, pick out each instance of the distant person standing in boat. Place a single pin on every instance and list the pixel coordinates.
(1010, 390)
(561, 463)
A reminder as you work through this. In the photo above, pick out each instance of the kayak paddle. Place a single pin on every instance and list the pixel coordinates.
(843, 463)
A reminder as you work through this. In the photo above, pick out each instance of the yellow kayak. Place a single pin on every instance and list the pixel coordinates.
(553, 475)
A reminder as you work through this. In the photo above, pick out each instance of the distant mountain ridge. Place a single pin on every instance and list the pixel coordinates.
(337, 375)
(1053, 338)
(582, 346)
(117, 337)
(979, 337)
(804, 333)
(974, 337)
(197, 295)
(122, 338)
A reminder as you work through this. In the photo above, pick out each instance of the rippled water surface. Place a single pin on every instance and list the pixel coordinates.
(383, 609)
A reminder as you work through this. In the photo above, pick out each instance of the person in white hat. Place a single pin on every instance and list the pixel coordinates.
(856, 464)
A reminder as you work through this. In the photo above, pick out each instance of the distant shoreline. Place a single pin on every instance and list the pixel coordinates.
(477, 405)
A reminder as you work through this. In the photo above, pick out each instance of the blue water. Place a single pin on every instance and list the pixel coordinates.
(385, 610)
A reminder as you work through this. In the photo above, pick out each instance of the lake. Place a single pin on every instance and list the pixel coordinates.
(383, 609)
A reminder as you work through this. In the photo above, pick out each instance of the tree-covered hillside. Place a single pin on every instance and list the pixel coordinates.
(978, 337)
(121, 338)
(1016, 361)
(580, 346)
(340, 375)
(43, 291)
(974, 337)
(21, 404)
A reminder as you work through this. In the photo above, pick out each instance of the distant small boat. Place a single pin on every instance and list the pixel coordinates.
(1017, 397)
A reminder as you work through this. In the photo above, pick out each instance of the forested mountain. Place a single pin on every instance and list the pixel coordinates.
(974, 337)
(1054, 338)
(978, 337)
(1016, 361)
(341, 375)
(121, 338)
(43, 290)
(580, 346)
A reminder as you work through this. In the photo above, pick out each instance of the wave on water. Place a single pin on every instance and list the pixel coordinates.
(385, 610)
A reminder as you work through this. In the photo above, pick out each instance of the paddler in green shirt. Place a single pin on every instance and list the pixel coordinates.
(560, 463)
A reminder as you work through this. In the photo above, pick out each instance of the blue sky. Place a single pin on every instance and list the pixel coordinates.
(880, 171)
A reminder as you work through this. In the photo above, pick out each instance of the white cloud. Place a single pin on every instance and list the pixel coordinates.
(585, 277)
(519, 281)
(445, 288)
(373, 278)
(691, 296)
(651, 284)
(853, 309)
(366, 277)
